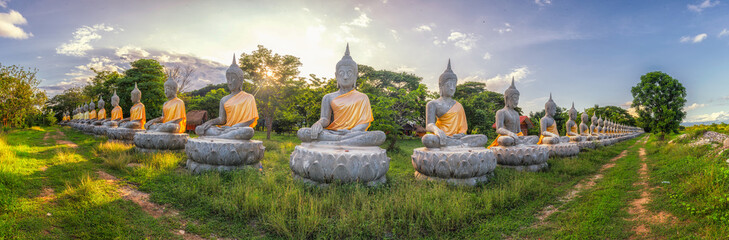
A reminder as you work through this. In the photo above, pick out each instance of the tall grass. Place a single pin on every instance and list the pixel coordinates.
(115, 155)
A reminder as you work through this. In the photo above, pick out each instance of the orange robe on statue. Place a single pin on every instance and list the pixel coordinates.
(92, 115)
(496, 141)
(350, 109)
(453, 121)
(116, 113)
(572, 129)
(241, 108)
(138, 113)
(101, 115)
(175, 109)
(552, 129)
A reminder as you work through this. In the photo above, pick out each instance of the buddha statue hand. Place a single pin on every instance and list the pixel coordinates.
(316, 129)
(150, 124)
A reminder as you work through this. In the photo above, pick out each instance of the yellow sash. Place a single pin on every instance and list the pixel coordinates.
(92, 115)
(574, 129)
(453, 121)
(101, 115)
(496, 141)
(137, 113)
(241, 108)
(552, 129)
(116, 113)
(175, 109)
(350, 109)
(86, 115)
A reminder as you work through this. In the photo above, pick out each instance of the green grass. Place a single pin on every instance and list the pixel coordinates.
(268, 204)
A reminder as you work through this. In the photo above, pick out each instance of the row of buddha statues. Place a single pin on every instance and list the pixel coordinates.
(338, 147)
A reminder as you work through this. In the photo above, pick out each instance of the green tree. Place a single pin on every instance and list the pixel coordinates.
(210, 102)
(19, 94)
(67, 101)
(391, 113)
(659, 101)
(273, 77)
(149, 76)
(561, 115)
(612, 113)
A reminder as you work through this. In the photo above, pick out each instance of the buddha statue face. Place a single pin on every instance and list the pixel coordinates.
(573, 113)
(136, 95)
(511, 96)
(550, 108)
(346, 71)
(115, 100)
(234, 76)
(585, 118)
(170, 89)
(447, 82)
(91, 106)
(100, 104)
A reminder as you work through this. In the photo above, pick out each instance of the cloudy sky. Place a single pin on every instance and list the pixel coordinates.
(589, 52)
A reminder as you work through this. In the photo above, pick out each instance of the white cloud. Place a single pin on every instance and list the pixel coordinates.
(703, 5)
(724, 32)
(394, 34)
(315, 33)
(437, 41)
(8, 22)
(4, 3)
(131, 53)
(693, 107)
(543, 2)
(709, 117)
(406, 69)
(500, 82)
(82, 38)
(362, 20)
(463, 40)
(423, 28)
(306, 9)
(505, 29)
(694, 39)
(487, 56)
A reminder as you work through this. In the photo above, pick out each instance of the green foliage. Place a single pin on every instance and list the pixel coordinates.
(561, 116)
(19, 95)
(720, 128)
(149, 76)
(101, 85)
(204, 90)
(480, 106)
(659, 101)
(612, 113)
(209, 102)
(398, 108)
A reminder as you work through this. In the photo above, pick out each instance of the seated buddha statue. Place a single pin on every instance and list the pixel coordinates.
(238, 114)
(508, 125)
(345, 114)
(594, 128)
(86, 112)
(137, 114)
(446, 119)
(174, 118)
(101, 113)
(547, 125)
(584, 128)
(571, 126)
(92, 112)
(116, 112)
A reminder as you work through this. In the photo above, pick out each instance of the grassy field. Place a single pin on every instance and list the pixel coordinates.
(269, 204)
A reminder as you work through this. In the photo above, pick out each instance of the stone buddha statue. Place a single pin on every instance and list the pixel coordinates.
(137, 114)
(571, 128)
(101, 114)
(584, 128)
(547, 125)
(238, 114)
(508, 125)
(86, 111)
(446, 119)
(601, 125)
(345, 114)
(116, 112)
(174, 118)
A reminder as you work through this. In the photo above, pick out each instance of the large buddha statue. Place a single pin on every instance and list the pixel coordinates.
(165, 133)
(449, 154)
(338, 146)
(512, 148)
(132, 125)
(550, 135)
(238, 114)
(446, 119)
(225, 142)
(137, 114)
(116, 112)
(345, 114)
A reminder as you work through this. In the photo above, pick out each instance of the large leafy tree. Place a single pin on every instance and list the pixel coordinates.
(612, 113)
(273, 77)
(149, 76)
(480, 106)
(659, 101)
(19, 94)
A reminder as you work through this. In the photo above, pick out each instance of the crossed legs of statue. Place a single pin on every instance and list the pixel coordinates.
(353, 138)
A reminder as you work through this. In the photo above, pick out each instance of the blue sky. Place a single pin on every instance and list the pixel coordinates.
(589, 52)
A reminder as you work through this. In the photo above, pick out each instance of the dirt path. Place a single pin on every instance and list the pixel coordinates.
(578, 188)
(641, 215)
(142, 199)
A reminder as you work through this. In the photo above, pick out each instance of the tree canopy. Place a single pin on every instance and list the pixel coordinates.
(19, 95)
(659, 99)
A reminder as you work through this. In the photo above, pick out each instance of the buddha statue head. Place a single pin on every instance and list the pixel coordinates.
(171, 88)
(447, 82)
(600, 122)
(585, 118)
(511, 96)
(550, 108)
(346, 71)
(594, 118)
(573, 112)
(91, 105)
(100, 103)
(234, 75)
(136, 94)
(114, 100)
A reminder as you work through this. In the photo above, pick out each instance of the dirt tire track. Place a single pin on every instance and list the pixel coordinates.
(641, 215)
(578, 188)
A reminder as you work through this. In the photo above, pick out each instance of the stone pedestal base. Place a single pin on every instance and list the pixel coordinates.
(88, 128)
(152, 141)
(522, 157)
(324, 164)
(122, 134)
(100, 130)
(458, 166)
(586, 144)
(222, 154)
(562, 149)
